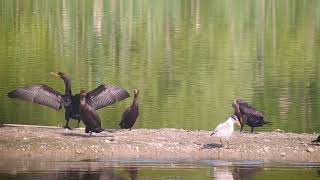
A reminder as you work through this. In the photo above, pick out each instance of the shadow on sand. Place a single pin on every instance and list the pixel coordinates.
(211, 146)
(79, 134)
(314, 144)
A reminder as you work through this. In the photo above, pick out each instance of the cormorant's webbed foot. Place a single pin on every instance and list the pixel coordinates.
(68, 127)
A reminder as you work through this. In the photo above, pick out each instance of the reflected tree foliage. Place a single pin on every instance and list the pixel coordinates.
(189, 58)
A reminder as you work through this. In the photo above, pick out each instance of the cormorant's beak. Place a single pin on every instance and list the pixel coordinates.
(54, 74)
(238, 123)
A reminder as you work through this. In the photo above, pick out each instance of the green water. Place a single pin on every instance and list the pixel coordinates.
(189, 59)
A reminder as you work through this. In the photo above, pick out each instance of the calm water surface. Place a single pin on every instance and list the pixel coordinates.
(189, 59)
(137, 170)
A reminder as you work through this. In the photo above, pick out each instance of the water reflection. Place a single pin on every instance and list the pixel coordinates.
(222, 173)
(235, 173)
(133, 172)
(73, 174)
(144, 170)
(67, 170)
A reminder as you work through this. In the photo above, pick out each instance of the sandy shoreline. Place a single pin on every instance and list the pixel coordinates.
(159, 144)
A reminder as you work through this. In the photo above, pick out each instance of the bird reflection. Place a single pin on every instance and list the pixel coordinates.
(82, 174)
(222, 172)
(234, 173)
(133, 172)
(245, 172)
(108, 174)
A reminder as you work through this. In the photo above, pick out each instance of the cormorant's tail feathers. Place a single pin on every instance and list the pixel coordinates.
(317, 140)
(121, 125)
(99, 130)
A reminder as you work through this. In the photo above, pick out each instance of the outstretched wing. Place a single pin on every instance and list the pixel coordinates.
(249, 110)
(105, 95)
(40, 94)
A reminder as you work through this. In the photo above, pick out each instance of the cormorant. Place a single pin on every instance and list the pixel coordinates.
(247, 114)
(103, 95)
(71, 102)
(131, 114)
(89, 116)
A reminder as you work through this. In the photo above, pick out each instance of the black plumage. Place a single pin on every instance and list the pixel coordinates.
(131, 114)
(40, 94)
(89, 116)
(247, 114)
(316, 140)
(103, 95)
(71, 102)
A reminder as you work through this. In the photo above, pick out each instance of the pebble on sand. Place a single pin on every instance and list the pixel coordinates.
(310, 149)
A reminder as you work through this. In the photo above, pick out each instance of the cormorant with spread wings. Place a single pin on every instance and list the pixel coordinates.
(103, 95)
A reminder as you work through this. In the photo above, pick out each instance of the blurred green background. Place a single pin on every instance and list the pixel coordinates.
(189, 59)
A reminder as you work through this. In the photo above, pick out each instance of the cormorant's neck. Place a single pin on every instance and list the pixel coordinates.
(67, 83)
(82, 100)
(135, 100)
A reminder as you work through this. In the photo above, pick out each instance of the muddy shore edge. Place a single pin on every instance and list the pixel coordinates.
(58, 144)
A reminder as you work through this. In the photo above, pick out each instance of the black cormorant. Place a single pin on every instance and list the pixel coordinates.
(89, 116)
(131, 114)
(103, 95)
(248, 114)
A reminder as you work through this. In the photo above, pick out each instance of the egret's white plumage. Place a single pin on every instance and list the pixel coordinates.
(225, 129)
